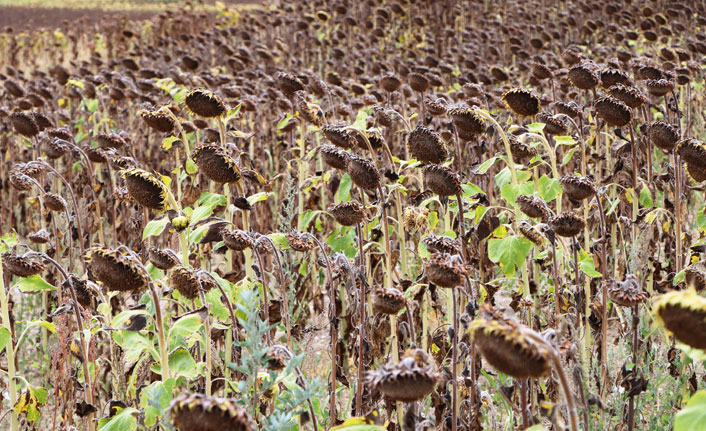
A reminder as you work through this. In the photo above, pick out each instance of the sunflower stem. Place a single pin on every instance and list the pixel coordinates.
(9, 349)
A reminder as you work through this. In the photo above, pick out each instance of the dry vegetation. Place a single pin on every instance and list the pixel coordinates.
(359, 216)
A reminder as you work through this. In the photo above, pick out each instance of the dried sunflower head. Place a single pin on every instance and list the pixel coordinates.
(411, 379)
(185, 281)
(158, 120)
(39, 237)
(278, 356)
(583, 76)
(20, 181)
(630, 96)
(387, 301)
(567, 224)
(695, 278)
(116, 270)
(577, 188)
(288, 83)
(683, 313)
(445, 270)
(204, 103)
(300, 241)
(310, 112)
(338, 135)
(162, 259)
(54, 202)
(466, 120)
(112, 139)
(335, 157)
(436, 107)
(24, 124)
(442, 244)
(21, 265)
(236, 239)
(533, 206)
(390, 83)
(198, 412)
(626, 293)
(426, 145)
(664, 135)
(659, 87)
(614, 112)
(145, 189)
(418, 82)
(505, 345)
(571, 109)
(552, 125)
(522, 102)
(540, 70)
(696, 173)
(532, 233)
(613, 77)
(441, 180)
(521, 151)
(416, 219)
(363, 173)
(692, 152)
(215, 164)
(348, 213)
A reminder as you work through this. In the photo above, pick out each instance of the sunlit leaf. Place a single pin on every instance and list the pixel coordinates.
(510, 252)
(33, 283)
(155, 227)
(124, 420)
(693, 416)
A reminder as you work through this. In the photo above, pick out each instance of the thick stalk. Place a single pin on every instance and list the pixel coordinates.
(604, 297)
(454, 362)
(207, 346)
(164, 356)
(361, 327)
(677, 211)
(635, 198)
(386, 237)
(333, 328)
(265, 299)
(522, 383)
(631, 402)
(571, 405)
(10, 351)
(84, 345)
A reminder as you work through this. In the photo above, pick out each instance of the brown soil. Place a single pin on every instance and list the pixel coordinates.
(22, 18)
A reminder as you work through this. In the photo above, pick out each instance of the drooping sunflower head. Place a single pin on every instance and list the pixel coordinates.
(205, 103)
(348, 213)
(145, 189)
(21, 265)
(683, 313)
(507, 347)
(215, 164)
(567, 224)
(411, 379)
(521, 102)
(467, 120)
(387, 300)
(117, 270)
(441, 180)
(426, 145)
(445, 270)
(198, 412)
(626, 293)
(576, 187)
(158, 120)
(186, 282)
(363, 173)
